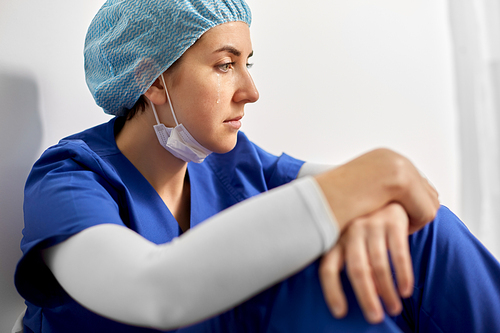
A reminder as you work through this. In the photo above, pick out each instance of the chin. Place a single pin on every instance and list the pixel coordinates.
(225, 146)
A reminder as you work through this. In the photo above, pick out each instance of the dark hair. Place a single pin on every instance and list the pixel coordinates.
(138, 107)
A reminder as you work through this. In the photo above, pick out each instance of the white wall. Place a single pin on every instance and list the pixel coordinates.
(336, 78)
(339, 79)
(42, 98)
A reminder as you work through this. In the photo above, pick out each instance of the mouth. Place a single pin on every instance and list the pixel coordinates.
(235, 123)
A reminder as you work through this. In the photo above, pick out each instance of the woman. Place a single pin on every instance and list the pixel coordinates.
(113, 239)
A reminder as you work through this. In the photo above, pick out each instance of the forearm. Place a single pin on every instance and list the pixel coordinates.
(313, 169)
(212, 267)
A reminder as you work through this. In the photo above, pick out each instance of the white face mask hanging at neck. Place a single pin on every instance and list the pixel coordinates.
(178, 141)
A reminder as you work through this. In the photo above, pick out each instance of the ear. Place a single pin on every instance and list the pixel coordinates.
(156, 93)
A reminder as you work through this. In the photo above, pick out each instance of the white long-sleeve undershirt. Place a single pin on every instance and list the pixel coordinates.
(234, 255)
(312, 169)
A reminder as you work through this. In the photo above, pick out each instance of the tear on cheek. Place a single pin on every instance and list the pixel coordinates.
(218, 88)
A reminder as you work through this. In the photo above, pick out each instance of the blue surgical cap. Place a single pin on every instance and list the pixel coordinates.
(131, 42)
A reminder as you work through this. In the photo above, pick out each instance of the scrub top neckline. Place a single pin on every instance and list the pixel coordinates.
(118, 123)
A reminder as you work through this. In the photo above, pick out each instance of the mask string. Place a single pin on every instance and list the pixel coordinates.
(169, 102)
(154, 112)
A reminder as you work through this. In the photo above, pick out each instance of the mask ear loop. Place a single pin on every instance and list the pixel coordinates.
(168, 98)
(154, 112)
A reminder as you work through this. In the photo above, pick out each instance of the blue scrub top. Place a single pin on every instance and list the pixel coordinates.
(85, 180)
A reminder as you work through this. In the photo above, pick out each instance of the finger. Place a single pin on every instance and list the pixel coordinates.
(432, 187)
(421, 206)
(379, 261)
(360, 275)
(329, 275)
(434, 196)
(432, 204)
(419, 199)
(401, 259)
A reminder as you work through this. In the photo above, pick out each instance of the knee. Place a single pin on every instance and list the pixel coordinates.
(445, 237)
(445, 225)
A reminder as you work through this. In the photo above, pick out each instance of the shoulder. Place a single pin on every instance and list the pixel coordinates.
(84, 151)
(65, 184)
(70, 188)
(74, 165)
(100, 139)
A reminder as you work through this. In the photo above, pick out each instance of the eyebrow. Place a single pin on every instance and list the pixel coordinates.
(232, 50)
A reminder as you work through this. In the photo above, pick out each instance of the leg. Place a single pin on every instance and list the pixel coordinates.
(457, 289)
(295, 305)
(457, 285)
(300, 307)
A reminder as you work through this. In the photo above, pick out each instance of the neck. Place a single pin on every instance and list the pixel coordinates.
(166, 173)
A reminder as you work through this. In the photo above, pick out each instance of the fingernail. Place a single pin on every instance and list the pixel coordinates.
(375, 316)
(395, 309)
(407, 291)
(338, 311)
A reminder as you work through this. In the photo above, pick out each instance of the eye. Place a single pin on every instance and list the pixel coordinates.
(225, 67)
(249, 66)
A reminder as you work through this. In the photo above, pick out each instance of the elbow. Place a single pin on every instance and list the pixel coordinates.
(162, 318)
(165, 304)
(171, 317)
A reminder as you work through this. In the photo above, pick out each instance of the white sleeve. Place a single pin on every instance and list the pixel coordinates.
(312, 169)
(234, 255)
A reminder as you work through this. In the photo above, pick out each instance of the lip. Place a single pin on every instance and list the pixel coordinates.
(234, 122)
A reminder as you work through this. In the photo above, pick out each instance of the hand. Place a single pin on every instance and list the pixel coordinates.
(363, 249)
(374, 180)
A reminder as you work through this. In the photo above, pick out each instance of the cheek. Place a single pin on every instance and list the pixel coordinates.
(202, 104)
(213, 94)
(225, 88)
(218, 88)
(195, 97)
(208, 92)
(202, 98)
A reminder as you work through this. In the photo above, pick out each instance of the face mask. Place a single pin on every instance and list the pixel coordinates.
(178, 141)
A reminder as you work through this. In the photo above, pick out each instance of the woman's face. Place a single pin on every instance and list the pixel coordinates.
(211, 84)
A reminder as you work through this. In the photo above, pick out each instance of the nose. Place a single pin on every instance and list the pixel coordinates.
(247, 91)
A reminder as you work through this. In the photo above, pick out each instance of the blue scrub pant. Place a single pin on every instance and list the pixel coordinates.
(457, 289)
